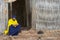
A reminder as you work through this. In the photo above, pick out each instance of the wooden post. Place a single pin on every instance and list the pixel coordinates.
(27, 12)
(11, 8)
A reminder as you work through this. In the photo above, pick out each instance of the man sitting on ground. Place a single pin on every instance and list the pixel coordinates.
(13, 27)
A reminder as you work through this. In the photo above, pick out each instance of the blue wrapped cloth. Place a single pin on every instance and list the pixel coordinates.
(14, 30)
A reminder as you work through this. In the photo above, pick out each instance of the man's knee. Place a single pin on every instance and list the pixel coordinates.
(19, 27)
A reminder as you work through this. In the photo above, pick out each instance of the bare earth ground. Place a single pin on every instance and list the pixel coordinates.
(32, 35)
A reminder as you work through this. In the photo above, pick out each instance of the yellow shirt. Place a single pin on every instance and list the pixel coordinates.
(10, 22)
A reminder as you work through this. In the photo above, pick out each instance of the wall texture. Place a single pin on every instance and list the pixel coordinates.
(45, 14)
(3, 15)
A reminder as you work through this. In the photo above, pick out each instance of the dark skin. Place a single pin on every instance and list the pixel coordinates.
(14, 19)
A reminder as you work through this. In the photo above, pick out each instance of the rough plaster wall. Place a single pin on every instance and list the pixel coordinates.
(3, 15)
(28, 12)
(46, 14)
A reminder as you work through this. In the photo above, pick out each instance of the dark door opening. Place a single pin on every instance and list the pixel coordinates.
(19, 9)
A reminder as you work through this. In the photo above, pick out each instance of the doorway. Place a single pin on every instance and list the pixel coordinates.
(19, 9)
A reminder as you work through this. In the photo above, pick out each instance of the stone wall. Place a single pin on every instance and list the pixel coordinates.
(46, 14)
(3, 15)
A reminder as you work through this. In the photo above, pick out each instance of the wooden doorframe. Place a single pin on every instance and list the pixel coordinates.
(29, 14)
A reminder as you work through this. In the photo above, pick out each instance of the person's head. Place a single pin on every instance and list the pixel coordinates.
(13, 17)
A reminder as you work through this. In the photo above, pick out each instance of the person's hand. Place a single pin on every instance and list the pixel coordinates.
(15, 25)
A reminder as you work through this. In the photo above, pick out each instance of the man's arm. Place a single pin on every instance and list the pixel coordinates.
(15, 23)
(7, 30)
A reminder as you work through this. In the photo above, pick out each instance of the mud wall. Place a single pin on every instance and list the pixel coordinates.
(45, 14)
(3, 15)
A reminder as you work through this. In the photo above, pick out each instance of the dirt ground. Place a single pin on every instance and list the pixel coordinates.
(24, 35)
(32, 35)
